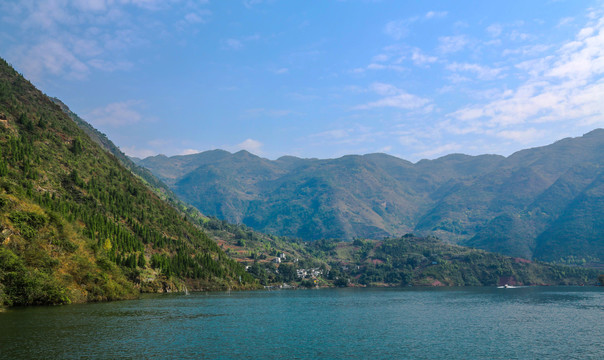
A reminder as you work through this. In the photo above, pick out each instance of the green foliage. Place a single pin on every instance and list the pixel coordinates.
(20, 285)
(28, 223)
(412, 260)
(76, 146)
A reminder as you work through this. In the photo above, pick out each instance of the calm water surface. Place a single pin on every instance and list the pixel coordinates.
(451, 323)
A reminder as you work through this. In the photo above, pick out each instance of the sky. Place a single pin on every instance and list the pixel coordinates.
(323, 78)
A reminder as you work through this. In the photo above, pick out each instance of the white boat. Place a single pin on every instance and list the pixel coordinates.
(506, 286)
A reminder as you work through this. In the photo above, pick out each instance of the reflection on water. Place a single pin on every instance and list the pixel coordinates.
(427, 323)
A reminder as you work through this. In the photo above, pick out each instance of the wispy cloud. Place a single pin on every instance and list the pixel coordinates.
(251, 3)
(200, 16)
(421, 59)
(190, 152)
(452, 44)
(233, 44)
(566, 21)
(116, 114)
(567, 86)
(50, 57)
(239, 43)
(435, 14)
(395, 97)
(525, 136)
(495, 30)
(482, 72)
(398, 29)
(251, 145)
(73, 38)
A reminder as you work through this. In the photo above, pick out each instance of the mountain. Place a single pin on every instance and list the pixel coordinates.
(537, 203)
(76, 225)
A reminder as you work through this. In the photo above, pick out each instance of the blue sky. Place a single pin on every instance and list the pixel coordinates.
(416, 79)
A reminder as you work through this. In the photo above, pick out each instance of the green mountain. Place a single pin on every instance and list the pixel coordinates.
(522, 205)
(76, 225)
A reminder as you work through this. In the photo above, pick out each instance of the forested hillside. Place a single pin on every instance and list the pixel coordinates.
(78, 226)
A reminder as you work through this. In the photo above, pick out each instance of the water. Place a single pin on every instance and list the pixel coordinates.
(451, 323)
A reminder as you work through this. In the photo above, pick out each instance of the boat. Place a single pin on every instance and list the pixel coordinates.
(506, 286)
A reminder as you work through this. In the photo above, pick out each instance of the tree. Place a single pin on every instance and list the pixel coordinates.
(76, 146)
(287, 272)
(107, 245)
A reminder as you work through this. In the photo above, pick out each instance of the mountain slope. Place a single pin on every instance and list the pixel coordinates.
(77, 226)
(489, 201)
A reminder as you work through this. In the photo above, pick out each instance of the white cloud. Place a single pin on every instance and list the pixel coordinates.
(566, 88)
(233, 44)
(525, 136)
(566, 21)
(421, 59)
(198, 17)
(397, 98)
(251, 145)
(398, 29)
(495, 30)
(116, 114)
(190, 151)
(251, 3)
(149, 4)
(375, 66)
(73, 38)
(90, 5)
(528, 50)
(384, 89)
(380, 58)
(45, 14)
(237, 44)
(517, 35)
(435, 14)
(451, 44)
(281, 71)
(481, 72)
(535, 67)
(50, 57)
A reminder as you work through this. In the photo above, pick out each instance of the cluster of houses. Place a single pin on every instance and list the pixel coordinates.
(280, 258)
(309, 273)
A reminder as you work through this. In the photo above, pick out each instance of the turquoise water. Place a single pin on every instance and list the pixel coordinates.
(450, 323)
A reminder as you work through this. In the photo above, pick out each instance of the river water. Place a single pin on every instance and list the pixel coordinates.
(408, 323)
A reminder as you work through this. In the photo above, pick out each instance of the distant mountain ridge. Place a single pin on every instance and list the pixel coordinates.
(514, 205)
